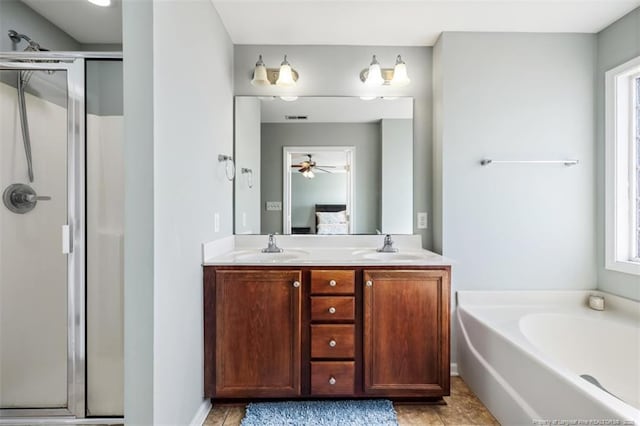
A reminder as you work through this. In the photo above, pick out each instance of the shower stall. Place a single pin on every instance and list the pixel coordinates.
(61, 237)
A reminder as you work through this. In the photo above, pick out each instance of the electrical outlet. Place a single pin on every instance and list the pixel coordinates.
(216, 222)
(422, 220)
(274, 206)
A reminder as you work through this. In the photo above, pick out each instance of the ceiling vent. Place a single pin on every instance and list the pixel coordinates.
(296, 117)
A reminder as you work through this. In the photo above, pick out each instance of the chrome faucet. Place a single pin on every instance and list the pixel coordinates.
(387, 247)
(272, 247)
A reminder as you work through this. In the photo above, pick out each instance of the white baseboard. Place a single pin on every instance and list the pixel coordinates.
(202, 413)
(454, 369)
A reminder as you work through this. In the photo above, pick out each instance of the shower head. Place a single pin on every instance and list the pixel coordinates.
(32, 45)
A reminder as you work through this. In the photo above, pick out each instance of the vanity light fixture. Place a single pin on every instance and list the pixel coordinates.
(102, 3)
(400, 77)
(376, 76)
(260, 74)
(285, 76)
(289, 98)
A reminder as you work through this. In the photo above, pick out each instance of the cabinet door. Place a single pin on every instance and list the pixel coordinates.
(406, 333)
(258, 333)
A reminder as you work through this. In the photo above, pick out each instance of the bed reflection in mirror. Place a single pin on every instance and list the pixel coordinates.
(323, 165)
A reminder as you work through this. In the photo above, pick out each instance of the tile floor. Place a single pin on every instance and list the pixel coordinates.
(463, 408)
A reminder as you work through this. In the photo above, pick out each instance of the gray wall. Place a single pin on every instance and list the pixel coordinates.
(138, 99)
(617, 44)
(396, 209)
(104, 87)
(517, 96)
(247, 155)
(334, 71)
(324, 188)
(174, 130)
(15, 15)
(365, 137)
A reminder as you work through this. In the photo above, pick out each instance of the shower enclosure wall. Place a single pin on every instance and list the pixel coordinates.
(61, 307)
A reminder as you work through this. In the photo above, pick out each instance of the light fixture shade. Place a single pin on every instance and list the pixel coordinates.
(374, 76)
(103, 3)
(285, 76)
(400, 77)
(260, 74)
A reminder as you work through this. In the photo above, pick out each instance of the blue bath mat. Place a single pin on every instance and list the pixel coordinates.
(321, 413)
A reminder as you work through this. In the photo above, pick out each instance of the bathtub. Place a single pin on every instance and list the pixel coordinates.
(523, 353)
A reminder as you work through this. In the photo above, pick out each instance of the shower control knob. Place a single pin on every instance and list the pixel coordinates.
(21, 198)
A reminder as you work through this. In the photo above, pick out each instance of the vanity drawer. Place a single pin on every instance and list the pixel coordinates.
(332, 378)
(332, 341)
(333, 308)
(332, 282)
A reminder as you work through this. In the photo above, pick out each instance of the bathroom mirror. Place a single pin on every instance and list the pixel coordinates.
(305, 162)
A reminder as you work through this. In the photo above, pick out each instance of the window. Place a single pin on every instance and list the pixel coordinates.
(622, 168)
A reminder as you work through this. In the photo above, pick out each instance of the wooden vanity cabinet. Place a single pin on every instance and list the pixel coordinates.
(256, 316)
(406, 333)
(275, 332)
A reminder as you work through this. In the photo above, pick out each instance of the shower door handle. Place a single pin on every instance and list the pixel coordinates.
(67, 247)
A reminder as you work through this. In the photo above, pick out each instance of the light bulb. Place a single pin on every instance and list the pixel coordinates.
(285, 76)
(400, 77)
(374, 76)
(289, 98)
(260, 74)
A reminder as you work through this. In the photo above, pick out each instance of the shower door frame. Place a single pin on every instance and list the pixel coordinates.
(74, 66)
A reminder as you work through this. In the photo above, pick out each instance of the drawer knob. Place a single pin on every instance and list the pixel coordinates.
(332, 380)
(296, 284)
(332, 310)
(332, 343)
(369, 283)
(332, 283)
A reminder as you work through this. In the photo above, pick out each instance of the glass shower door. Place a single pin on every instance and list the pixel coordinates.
(39, 360)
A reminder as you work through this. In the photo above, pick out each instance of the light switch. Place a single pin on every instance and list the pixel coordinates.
(422, 220)
(274, 206)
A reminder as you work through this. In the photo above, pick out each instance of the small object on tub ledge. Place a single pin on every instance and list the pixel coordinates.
(596, 302)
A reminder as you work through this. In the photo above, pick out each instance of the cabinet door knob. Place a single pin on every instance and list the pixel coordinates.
(369, 283)
(332, 343)
(332, 380)
(332, 283)
(332, 310)
(296, 284)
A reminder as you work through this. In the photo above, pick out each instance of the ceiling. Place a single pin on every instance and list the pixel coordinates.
(355, 22)
(85, 22)
(334, 110)
(407, 23)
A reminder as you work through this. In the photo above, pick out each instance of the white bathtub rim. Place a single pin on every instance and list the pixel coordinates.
(522, 345)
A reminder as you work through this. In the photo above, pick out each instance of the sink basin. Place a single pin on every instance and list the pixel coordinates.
(388, 257)
(258, 256)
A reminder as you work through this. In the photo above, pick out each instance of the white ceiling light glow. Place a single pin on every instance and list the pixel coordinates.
(103, 3)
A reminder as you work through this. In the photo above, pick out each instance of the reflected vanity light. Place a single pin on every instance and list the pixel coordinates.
(376, 76)
(285, 76)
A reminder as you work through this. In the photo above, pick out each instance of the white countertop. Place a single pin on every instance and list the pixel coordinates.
(319, 250)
